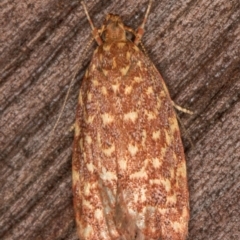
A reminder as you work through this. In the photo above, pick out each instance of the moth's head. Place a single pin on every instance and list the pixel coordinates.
(113, 29)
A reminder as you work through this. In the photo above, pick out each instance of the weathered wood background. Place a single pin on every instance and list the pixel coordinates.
(193, 43)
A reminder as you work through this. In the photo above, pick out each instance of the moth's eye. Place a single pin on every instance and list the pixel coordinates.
(130, 36)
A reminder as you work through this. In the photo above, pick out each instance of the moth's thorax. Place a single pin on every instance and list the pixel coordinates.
(115, 58)
(113, 29)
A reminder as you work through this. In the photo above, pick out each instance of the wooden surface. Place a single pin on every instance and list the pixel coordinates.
(195, 46)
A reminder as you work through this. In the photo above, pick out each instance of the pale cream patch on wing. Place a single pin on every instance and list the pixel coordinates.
(107, 175)
(89, 97)
(104, 235)
(124, 70)
(123, 164)
(98, 214)
(140, 196)
(108, 151)
(80, 99)
(128, 55)
(90, 167)
(163, 211)
(162, 94)
(173, 124)
(139, 64)
(105, 72)
(104, 90)
(155, 181)
(156, 162)
(77, 130)
(156, 135)
(171, 199)
(136, 197)
(132, 149)
(75, 176)
(143, 197)
(107, 118)
(163, 151)
(115, 87)
(88, 139)
(95, 82)
(130, 116)
(150, 115)
(87, 190)
(93, 67)
(159, 103)
(128, 90)
(86, 203)
(166, 183)
(87, 231)
(149, 91)
(138, 79)
(175, 157)
(90, 119)
(177, 226)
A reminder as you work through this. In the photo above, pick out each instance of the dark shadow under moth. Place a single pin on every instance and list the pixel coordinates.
(129, 170)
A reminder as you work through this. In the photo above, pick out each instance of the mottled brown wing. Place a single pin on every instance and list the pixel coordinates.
(129, 172)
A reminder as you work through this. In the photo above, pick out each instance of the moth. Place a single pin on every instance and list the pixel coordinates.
(129, 170)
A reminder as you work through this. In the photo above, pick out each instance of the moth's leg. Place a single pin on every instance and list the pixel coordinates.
(185, 131)
(94, 29)
(140, 30)
(181, 109)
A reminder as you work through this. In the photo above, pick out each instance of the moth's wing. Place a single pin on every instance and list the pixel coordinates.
(172, 173)
(128, 160)
(94, 175)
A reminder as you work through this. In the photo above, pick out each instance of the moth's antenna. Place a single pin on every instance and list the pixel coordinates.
(140, 30)
(94, 29)
(146, 14)
(179, 108)
(68, 92)
(88, 17)
(144, 50)
(74, 76)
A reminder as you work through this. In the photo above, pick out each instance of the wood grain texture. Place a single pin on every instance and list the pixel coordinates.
(195, 46)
